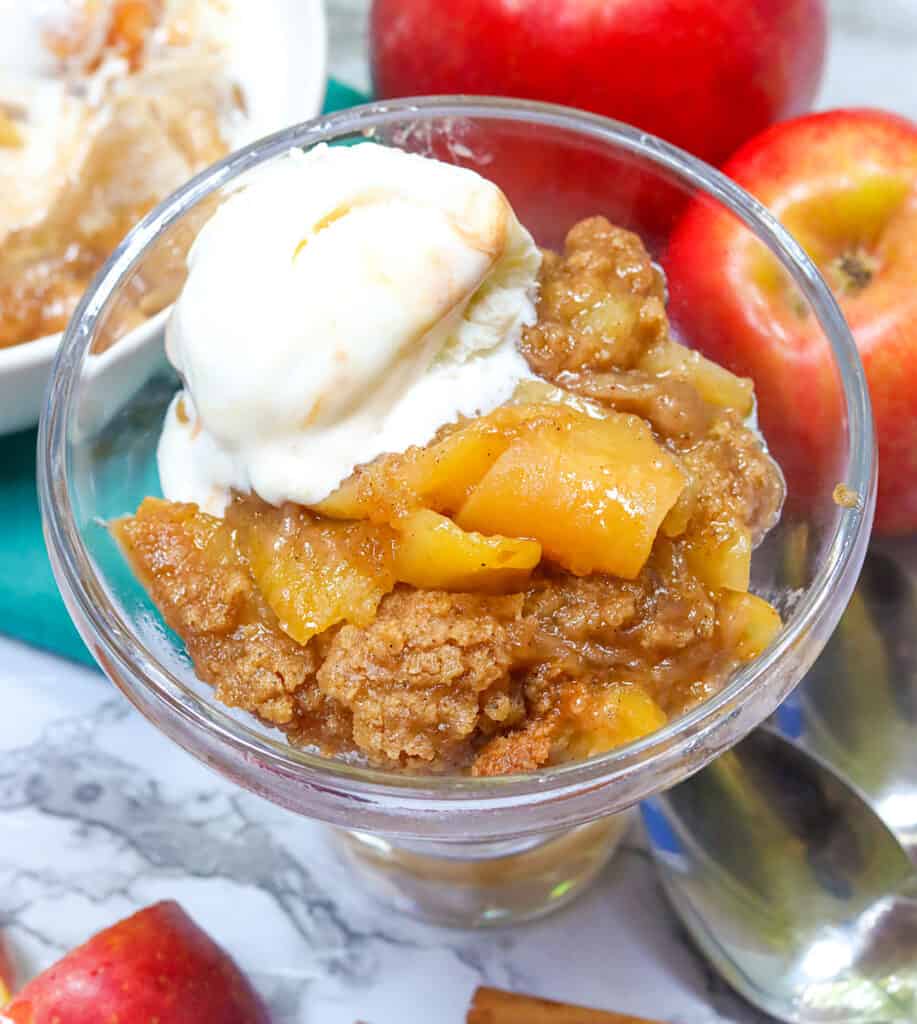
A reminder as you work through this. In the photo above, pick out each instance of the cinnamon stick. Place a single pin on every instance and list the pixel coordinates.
(491, 1006)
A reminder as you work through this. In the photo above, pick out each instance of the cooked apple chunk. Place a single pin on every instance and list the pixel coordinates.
(747, 623)
(313, 573)
(438, 476)
(593, 492)
(720, 556)
(714, 383)
(435, 554)
(597, 719)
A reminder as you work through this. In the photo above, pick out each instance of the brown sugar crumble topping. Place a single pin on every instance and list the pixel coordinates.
(537, 585)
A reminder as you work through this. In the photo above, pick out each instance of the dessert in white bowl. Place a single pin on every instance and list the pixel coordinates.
(106, 108)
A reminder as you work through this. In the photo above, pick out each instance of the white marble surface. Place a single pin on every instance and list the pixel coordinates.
(100, 815)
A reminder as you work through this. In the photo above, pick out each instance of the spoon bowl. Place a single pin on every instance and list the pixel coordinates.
(792, 885)
(857, 708)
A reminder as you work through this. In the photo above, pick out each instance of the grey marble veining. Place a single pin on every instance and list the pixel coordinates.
(101, 815)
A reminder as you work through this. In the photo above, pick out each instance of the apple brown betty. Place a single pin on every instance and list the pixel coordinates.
(155, 127)
(537, 585)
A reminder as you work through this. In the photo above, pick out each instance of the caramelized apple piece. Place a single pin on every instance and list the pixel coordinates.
(351, 500)
(596, 720)
(434, 554)
(541, 395)
(439, 476)
(446, 472)
(714, 383)
(314, 574)
(680, 514)
(721, 557)
(592, 492)
(591, 485)
(747, 623)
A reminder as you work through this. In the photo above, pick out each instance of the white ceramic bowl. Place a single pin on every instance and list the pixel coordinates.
(279, 52)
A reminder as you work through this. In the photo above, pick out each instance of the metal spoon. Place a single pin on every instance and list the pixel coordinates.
(857, 708)
(793, 887)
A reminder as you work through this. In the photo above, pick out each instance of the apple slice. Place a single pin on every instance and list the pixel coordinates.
(716, 385)
(314, 573)
(721, 558)
(438, 476)
(593, 493)
(156, 965)
(435, 554)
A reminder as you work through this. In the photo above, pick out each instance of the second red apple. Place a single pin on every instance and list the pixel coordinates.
(845, 184)
(704, 74)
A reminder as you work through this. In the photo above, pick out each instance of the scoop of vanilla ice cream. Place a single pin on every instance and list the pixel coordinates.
(347, 302)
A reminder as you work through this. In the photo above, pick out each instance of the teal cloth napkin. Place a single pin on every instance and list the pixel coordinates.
(31, 608)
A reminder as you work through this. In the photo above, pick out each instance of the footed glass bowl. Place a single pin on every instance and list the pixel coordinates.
(461, 850)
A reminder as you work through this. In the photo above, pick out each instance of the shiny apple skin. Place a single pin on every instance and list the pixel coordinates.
(703, 74)
(844, 181)
(156, 965)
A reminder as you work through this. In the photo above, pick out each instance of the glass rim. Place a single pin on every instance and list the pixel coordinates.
(113, 640)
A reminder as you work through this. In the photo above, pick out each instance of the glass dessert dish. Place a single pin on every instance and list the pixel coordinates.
(460, 849)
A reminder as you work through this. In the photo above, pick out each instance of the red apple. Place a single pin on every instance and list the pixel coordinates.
(154, 966)
(7, 974)
(704, 74)
(845, 183)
